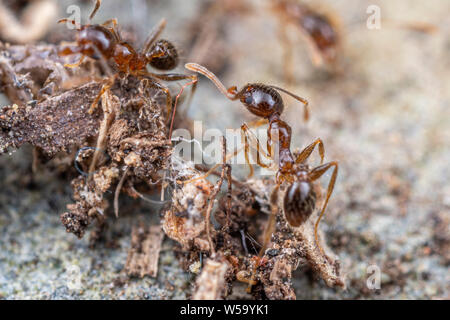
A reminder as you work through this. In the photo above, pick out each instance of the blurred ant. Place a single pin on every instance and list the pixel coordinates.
(265, 102)
(103, 42)
(321, 30)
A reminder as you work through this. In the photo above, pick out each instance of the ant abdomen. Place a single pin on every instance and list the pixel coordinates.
(163, 55)
(261, 100)
(299, 202)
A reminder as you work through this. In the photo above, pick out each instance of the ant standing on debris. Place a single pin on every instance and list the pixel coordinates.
(103, 42)
(265, 102)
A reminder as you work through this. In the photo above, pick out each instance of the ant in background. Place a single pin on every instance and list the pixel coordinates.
(265, 102)
(104, 42)
(320, 28)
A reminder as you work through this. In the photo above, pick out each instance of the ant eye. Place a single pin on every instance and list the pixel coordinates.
(248, 99)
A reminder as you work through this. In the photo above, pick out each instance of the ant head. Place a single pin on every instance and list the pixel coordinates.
(260, 99)
(299, 202)
(163, 55)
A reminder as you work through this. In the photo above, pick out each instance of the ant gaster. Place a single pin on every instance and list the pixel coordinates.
(265, 102)
(104, 42)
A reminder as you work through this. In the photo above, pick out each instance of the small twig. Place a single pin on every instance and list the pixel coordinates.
(147, 143)
(238, 183)
(116, 194)
(244, 244)
(108, 117)
(214, 194)
(229, 195)
(140, 195)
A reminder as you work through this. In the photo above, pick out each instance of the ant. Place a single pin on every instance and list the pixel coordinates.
(103, 42)
(321, 30)
(265, 102)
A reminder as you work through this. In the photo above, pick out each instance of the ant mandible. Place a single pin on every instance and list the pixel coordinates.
(103, 42)
(265, 102)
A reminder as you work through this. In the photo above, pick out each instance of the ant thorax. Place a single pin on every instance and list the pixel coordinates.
(127, 59)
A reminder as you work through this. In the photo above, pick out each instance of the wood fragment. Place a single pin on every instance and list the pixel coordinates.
(54, 125)
(211, 282)
(143, 256)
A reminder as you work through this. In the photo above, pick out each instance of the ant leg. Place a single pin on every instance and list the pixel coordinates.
(298, 98)
(154, 34)
(113, 30)
(168, 97)
(213, 169)
(246, 134)
(315, 174)
(194, 87)
(256, 124)
(68, 50)
(112, 21)
(246, 150)
(106, 86)
(94, 11)
(314, 53)
(177, 77)
(172, 76)
(229, 93)
(77, 64)
(309, 149)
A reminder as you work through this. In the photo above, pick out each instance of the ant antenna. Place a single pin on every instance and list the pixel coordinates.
(94, 11)
(211, 76)
(298, 98)
(65, 20)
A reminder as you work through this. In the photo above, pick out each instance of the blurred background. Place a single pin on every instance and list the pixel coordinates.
(382, 109)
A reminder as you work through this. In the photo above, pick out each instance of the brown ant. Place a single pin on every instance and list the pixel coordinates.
(323, 32)
(103, 42)
(265, 102)
(320, 28)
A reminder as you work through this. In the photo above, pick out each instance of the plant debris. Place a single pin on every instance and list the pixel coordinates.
(211, 282)
(143, 256)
